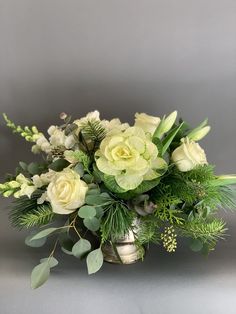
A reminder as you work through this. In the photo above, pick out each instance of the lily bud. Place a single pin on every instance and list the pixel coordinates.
(169, 121)
(226, 179)
(197, 135)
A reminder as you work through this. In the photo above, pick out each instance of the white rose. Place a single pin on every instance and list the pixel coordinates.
(146, 122)
(66, 192)
(188, 155)
(94, 115)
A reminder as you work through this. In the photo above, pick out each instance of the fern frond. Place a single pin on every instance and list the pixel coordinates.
(93, 130)
(38, 217)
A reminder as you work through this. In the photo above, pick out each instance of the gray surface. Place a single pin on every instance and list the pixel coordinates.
(119, 57)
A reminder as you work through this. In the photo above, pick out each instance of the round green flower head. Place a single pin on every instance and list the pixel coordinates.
(130, 157)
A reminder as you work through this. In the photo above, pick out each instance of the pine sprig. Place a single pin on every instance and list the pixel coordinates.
(38, 217)
(207, 232)
(116, 221)
(22, 206)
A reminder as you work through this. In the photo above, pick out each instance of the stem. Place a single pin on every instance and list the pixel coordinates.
(116, 252)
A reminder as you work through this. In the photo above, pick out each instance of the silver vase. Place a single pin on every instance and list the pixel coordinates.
(123, 251)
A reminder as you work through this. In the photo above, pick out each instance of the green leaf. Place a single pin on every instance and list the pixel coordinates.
(33, 168)
(44, 233)
(169, 138)
(94, 261)
(23, 165)
(66, 243)
(196, 245)
(110, 183)
(92, 224)
(40, 275)
(99, 212)
(59, 164)
(158, 131)
(52, 261)
(81, 248)
(79, 169)
(35, 243)
(158, 144)
(144, 187)
(100, 199)
(87, 212)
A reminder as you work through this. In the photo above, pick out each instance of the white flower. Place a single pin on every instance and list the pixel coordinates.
(58, 138)
(114, 126)
(43, 179)
(146, 122)
(42, 144)
(94, 115)
(66, 192)
(188, 155)
(130, 157)
(26, 186)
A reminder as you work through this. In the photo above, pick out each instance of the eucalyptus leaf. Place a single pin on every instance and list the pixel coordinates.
(35, 243)
(52, 261)
(81, 248)
(196, 245)
(100, 199)
(33, 168)
(87, 212)
(40, 275)
(94, 261)
(44, 233)
(23, 165)
(92, 224)
(79, 169)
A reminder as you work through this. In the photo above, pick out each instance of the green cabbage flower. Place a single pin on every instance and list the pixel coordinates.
(130, 157)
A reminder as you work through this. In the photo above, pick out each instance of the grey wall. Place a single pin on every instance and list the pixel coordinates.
(119, 56)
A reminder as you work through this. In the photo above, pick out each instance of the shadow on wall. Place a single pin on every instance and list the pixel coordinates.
(40, 103)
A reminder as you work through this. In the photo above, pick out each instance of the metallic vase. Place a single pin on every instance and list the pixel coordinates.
(123, 251)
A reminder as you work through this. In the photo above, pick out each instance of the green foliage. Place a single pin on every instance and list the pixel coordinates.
(44, 233)
(59, 164)
(94, 261)
(148, 231)
(40, 275)
(81, 248)
(207, 231)
(93, 130)
(39, 217)
(23, 206)
(116, 221)
(167, 206)
(144, 187)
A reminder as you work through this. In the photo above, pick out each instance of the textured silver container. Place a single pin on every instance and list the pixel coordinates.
(123, 251)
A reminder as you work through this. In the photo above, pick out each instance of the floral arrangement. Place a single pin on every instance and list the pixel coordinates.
(99, 179)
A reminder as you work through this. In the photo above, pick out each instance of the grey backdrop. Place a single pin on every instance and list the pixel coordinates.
(119, 57)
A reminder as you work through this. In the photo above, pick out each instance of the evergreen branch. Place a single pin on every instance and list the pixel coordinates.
(23, 206)
(148, 231)
(207, 232)
(38, 217)
(116, 222)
